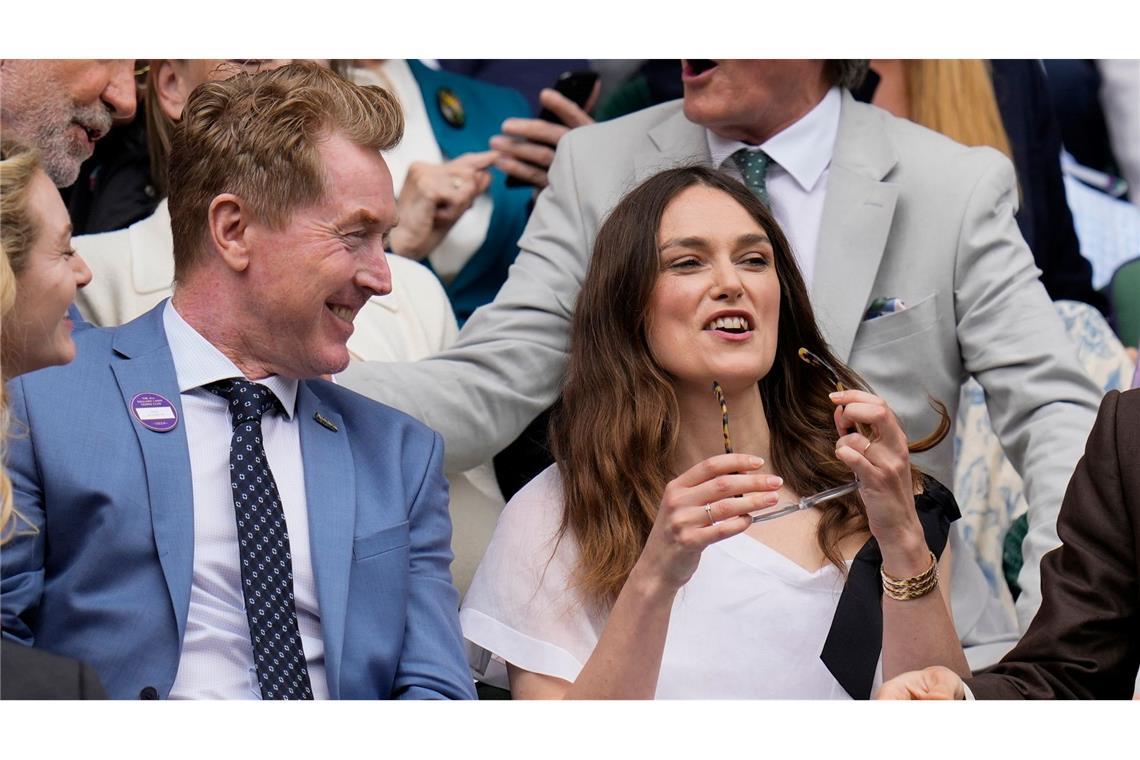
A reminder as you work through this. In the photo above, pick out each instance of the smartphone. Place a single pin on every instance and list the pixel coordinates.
(575, 85)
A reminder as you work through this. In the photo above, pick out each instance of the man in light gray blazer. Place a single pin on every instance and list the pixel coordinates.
(876, 208)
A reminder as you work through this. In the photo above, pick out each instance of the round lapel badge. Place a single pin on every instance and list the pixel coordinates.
(450, 107)
(155, 412)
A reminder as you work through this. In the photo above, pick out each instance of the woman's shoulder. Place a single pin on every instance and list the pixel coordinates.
(534, 513)
(542, 487)
(529, 561)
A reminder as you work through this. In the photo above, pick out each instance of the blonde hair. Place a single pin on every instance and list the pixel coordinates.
(18, 164)
(257, 135)
(18, 227)
(7, 296)
(956, 97)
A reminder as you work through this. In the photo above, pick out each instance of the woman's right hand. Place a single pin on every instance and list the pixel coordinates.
(683, 527)
(433, 198)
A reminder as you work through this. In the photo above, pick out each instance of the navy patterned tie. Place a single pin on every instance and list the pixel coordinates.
(263, 539)
(753, 166)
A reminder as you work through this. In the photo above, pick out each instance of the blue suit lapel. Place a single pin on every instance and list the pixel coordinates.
(144, 365)
(330, 490)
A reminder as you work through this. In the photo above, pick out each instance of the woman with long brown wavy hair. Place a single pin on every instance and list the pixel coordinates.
(634, 568)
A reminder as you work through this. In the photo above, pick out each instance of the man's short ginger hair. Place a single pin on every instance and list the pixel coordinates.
(257, 135)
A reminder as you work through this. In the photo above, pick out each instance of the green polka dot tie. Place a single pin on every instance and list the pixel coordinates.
(753, 166)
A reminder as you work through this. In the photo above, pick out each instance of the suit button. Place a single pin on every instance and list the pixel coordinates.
(148, 692)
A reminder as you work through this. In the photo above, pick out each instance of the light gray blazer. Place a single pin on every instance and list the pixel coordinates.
(908, 214)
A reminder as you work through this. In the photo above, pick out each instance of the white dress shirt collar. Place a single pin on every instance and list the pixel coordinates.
(198, 362)
(798, 149)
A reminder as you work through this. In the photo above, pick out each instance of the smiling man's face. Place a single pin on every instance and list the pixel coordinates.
(307, 281)
(61, 107)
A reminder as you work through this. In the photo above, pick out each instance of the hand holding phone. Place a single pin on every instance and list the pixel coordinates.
(527, 145)
(577, 86)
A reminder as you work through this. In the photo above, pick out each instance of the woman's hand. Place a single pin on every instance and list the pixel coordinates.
(626, 662)
(434, 197)
(882, 464)
(685, 526)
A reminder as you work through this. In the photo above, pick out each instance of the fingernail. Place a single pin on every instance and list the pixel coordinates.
(775, 481)
(834, 395)
(756, 461)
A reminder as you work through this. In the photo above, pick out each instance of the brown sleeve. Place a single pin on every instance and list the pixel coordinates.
(1084, 642)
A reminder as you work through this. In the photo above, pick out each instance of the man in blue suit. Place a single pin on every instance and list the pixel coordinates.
(209, 520)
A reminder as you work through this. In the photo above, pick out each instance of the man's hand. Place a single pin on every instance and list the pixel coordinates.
(931, 683)
(527, 145)
(433, 198)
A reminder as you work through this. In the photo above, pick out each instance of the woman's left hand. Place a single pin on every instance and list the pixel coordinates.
(882, 464)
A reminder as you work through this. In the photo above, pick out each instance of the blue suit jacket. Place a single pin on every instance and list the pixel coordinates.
(107, 577)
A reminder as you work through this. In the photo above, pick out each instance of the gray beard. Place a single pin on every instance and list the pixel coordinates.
(46, 126)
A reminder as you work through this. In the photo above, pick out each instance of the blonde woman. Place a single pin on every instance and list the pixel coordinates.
(39, 275)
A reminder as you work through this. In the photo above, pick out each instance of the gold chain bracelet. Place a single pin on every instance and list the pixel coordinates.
(905, 589)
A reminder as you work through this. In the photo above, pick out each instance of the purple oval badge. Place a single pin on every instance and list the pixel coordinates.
(155, 412)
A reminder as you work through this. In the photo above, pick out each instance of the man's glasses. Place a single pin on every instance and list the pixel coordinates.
(806, 502)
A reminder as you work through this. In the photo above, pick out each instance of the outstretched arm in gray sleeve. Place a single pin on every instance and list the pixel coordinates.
(507, 364)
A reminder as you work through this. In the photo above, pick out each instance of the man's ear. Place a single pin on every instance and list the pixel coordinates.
(172, 87)
(229, 218)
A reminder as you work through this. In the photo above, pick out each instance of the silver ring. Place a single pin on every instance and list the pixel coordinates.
(708, 511)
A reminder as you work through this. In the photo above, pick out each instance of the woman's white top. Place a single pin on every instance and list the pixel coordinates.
(750, 623)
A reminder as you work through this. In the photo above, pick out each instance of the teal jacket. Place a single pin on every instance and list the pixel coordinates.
(484, 107)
